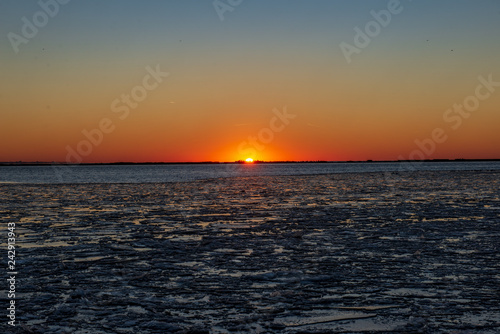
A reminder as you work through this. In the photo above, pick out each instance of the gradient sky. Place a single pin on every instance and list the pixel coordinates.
(226, 77)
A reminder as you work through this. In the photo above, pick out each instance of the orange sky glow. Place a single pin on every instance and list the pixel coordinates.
(160, 89)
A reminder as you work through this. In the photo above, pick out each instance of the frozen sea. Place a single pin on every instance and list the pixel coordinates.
(397, 252)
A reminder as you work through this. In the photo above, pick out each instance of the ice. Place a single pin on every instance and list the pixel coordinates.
(343, 252)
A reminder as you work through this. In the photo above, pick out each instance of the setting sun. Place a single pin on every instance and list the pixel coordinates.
(249, 160)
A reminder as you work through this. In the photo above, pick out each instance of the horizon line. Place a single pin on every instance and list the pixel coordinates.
(44, 163)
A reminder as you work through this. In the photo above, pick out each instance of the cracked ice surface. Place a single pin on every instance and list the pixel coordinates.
(291, 254)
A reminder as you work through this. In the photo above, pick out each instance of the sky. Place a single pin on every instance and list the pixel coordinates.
(195, 80)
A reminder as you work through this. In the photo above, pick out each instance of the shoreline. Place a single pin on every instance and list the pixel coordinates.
(240, 162)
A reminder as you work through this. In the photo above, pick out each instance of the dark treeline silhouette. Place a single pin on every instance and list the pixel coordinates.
(39, 163)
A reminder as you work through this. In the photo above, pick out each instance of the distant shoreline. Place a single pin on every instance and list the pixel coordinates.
(237, 162)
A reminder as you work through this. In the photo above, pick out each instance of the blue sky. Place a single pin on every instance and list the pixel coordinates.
(263, 55)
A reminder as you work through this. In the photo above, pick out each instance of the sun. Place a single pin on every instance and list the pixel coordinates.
(249, 160)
